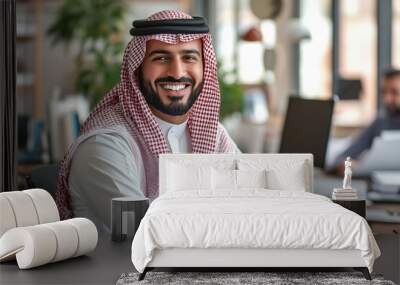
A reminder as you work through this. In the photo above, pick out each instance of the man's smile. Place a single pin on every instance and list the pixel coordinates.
(175, 89)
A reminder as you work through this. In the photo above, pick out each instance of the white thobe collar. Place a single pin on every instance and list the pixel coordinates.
(177, 135)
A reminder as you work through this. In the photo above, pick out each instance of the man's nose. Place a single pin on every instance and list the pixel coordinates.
(388, 98)
(177, 69)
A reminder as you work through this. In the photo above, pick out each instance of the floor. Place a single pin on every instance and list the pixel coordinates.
(102, 266)
(389, 263)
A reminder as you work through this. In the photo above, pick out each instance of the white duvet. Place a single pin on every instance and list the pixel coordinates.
(253, 218)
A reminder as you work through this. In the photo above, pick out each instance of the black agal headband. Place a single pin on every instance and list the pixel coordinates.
(197, 25)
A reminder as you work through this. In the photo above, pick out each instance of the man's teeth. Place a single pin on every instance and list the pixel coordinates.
(174, 87)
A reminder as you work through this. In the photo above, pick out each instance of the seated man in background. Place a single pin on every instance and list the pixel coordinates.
(387, 120)
(166, 101)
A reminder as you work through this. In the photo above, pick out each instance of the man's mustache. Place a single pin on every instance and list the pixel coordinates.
(170, 79)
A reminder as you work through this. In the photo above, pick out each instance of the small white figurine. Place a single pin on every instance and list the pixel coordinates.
(347, 174)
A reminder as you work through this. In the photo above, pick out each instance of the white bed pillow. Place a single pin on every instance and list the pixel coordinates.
(280, 174)
(251, 178)
(227, 179)
(193, 177)
(193, 160)
(223, 179)
(294, 181)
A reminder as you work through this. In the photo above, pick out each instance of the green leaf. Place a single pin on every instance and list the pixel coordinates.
(91, 23)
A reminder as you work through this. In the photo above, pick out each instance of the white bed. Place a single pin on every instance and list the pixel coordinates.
(268, 218)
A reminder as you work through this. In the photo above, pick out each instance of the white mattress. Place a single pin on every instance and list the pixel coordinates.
(252, 218)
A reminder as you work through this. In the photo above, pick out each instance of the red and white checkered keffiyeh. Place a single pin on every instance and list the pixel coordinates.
(136, 114)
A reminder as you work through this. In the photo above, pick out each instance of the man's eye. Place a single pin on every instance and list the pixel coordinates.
(190, 58)
(160, 58)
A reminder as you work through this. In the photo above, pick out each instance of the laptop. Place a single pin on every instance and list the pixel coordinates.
(384, 154)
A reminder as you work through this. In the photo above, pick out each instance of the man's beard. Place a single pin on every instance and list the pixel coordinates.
(392, 111)
(174, 108)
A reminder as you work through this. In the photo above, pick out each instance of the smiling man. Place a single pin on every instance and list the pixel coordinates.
(171, 78)
(166, 101)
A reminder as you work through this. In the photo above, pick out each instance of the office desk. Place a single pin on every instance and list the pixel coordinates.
(102, 266)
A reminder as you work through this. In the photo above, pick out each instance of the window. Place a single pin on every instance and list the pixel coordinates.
(357, 59)
(396, 34)
(315, 54)
(226, 34)
(236, 18)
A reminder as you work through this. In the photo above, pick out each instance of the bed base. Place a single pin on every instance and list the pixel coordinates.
(363, 270)
(250, 259)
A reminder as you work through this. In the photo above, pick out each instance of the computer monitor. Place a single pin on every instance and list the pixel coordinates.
(307, 127)
(349, 89)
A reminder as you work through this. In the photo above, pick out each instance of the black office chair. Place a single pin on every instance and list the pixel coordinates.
(307, 127)
(44, 177)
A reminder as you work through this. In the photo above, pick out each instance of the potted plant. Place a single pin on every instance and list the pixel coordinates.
(232, 94)
(97, 26)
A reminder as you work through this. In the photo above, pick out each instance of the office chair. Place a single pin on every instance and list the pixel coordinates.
(44, 177)
(307, 127)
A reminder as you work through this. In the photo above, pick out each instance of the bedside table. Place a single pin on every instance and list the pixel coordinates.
(356, 206)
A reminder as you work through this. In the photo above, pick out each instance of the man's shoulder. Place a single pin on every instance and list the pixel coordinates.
(108, 141)
(107, 151)
(225, 143)
(379, 122)
(220, 127)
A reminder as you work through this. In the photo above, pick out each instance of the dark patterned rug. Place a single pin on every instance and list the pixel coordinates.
(230, 278)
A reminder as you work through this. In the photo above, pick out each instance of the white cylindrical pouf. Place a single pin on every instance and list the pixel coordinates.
(87, 233)
(45, 206)
(23, 208)
(40, 244)
(7, 218)
(67, 239)
(33, 246)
